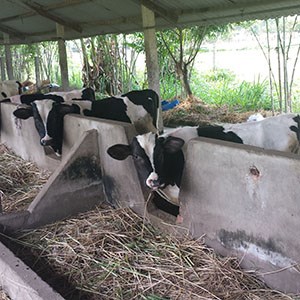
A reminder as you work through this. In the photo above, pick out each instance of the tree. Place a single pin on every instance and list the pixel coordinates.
(183, 46)
(109, 63)
(278, 43)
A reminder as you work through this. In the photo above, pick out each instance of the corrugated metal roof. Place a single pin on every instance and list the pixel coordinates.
(33, 21)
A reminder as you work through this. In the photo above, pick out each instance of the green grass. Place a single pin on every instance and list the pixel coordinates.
(222, 88)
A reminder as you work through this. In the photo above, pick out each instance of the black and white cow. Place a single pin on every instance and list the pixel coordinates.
(160, 159)
(136, 107)
(80, 94)
(10, 88)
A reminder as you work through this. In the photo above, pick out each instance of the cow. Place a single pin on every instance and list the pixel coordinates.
(160, 159)
(81, 94)
(10, 88)
(136, 107)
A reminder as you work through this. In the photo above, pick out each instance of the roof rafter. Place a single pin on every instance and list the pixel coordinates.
(48, 8)
(41, 10)
(12, 32)
(162, 12)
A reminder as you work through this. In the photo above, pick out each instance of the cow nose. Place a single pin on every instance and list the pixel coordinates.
(154, 183)
(45, 142)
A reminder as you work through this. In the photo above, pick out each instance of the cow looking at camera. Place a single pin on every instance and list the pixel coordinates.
(160, 159)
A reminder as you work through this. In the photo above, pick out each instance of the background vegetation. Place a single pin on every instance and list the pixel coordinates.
(112, 64)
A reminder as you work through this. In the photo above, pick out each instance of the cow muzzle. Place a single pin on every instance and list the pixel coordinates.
(46, 142)
(153, 181)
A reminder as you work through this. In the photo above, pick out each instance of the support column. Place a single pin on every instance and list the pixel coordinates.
(63, 60)
(8, 57)
(2, 67)
(37, 71)
(151, 56)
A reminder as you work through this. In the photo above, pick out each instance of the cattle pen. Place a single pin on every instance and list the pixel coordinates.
(116, 254)
(73, 188)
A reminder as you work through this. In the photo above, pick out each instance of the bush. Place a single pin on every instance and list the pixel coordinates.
(222, 88)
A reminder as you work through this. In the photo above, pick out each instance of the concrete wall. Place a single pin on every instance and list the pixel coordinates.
(84, 176)
(22, 137)
(246, 202)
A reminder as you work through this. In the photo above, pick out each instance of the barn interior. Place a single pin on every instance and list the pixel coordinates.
(224, 224)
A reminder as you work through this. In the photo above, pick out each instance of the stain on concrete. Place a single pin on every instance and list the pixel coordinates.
(240, 239)
(111, 190)
(83, 167)
(254, 172)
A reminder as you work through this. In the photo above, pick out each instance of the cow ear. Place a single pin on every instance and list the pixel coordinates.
(119, 151)
(173, 144)
(23, 112)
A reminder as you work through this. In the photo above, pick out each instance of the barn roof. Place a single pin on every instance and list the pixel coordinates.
(33, 21)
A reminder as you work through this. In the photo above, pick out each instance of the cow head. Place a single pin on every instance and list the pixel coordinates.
(159, 160)
(48, 119)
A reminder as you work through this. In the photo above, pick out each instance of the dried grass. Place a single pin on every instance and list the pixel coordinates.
(3, 295)
(192, 112)
(20, 181)
(114, 254)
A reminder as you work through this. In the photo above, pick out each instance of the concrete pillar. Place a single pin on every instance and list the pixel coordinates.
(63, 60)
(151, 56)
(8, 57)
(37, 71)
(2, 67)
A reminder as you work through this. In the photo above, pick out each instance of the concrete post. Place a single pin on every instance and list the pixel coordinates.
(8, 57)
(2, 67)
(63, 60)
(37, 71)
(151, 56)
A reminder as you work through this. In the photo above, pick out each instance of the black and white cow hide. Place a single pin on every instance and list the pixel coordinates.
(136, 107)
(10, 88)
(81, 94)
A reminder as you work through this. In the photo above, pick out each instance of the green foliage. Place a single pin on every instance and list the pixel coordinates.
(222, 88)
(75, 80)
(170, 87)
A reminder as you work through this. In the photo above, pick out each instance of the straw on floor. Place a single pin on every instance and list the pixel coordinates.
(115, 254)
(20, 181)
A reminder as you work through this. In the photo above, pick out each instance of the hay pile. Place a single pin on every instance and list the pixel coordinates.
(192, 112)
(20, 181)
(3, 295)
(115, 254)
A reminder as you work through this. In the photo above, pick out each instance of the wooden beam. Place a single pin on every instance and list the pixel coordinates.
(152, 57)
(158, 9)
(12, 32)
(8, 57)
(41, 10)
(47, 8)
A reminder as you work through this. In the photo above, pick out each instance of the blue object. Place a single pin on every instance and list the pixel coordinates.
(169, 105)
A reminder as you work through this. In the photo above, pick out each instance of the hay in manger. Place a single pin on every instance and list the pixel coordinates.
(115, 254)
(20, 181)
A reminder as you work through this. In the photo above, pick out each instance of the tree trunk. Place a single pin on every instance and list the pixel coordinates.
(182, 72)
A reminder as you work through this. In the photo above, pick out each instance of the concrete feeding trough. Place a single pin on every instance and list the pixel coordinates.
(84, 176)
(245, 201)
(242, 199)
